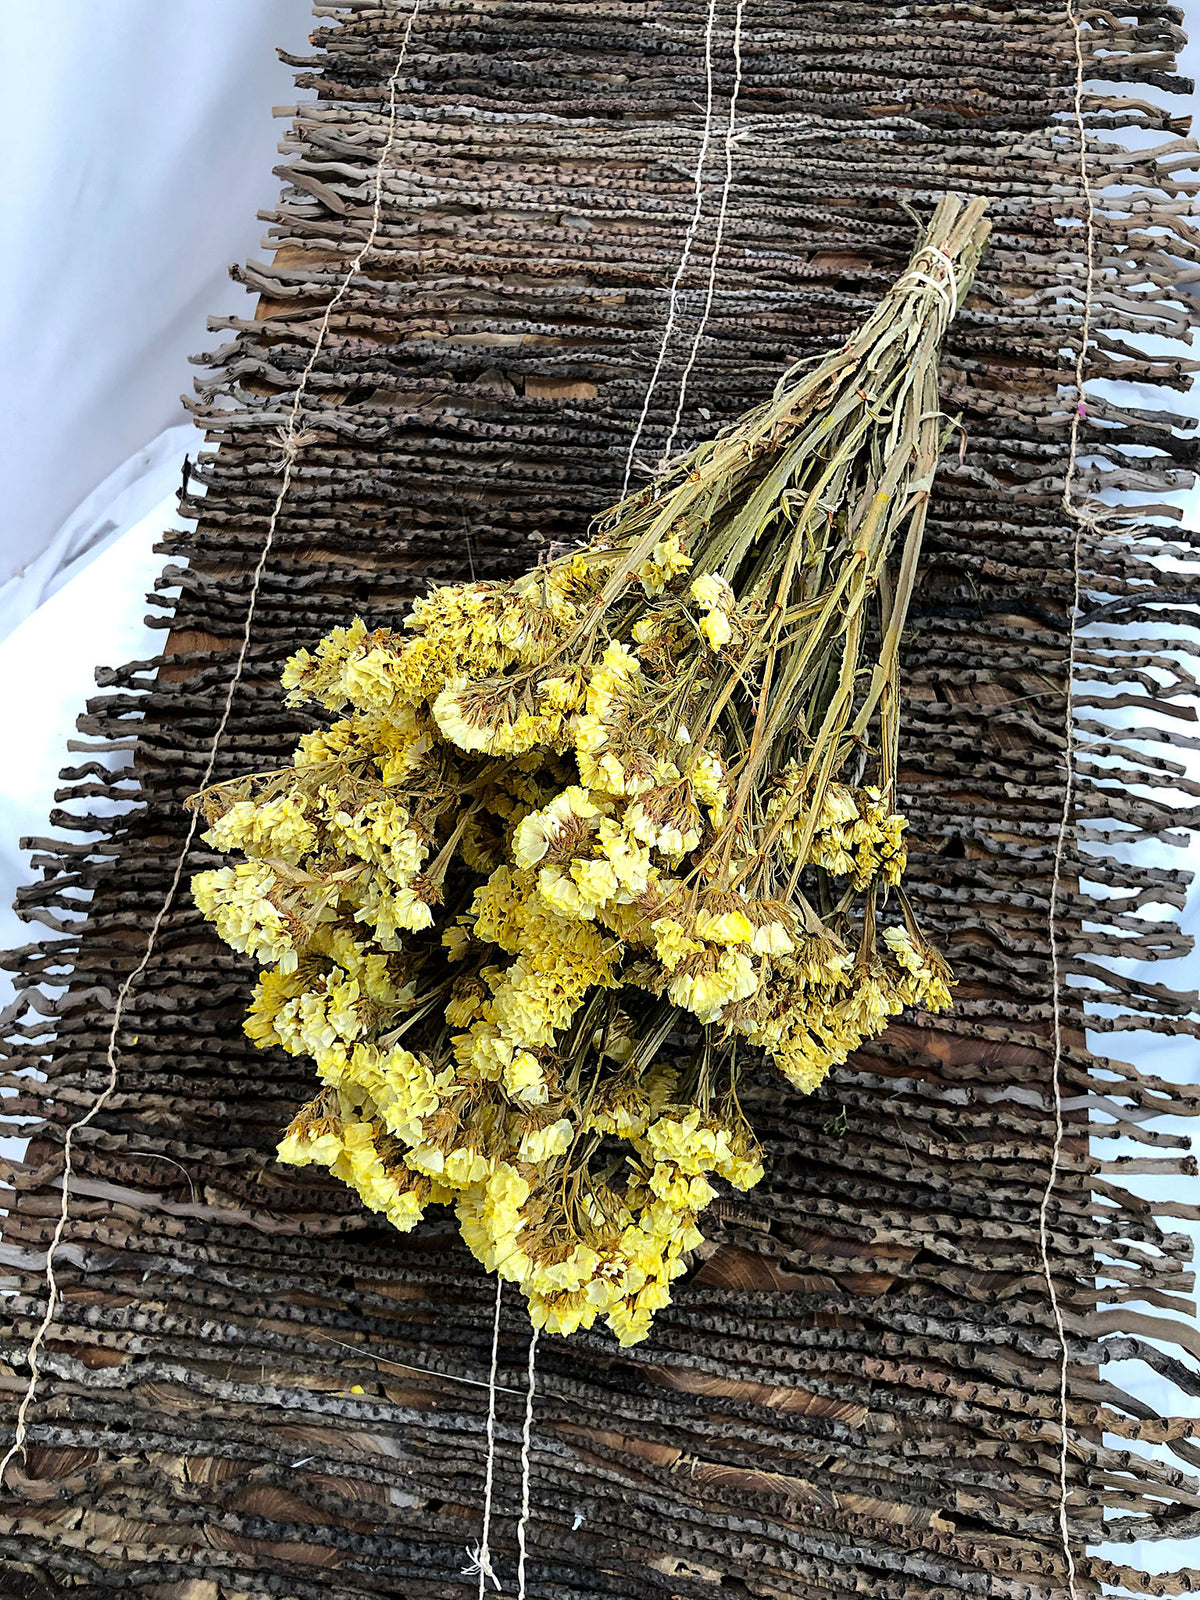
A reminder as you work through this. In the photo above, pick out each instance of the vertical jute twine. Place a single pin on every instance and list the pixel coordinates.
(480, 1563)
(292, 440)
(1079, 519)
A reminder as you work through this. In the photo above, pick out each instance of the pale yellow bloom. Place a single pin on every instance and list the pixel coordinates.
(671, 943)
(543, 1144)
(712, 592)
(274, 828)
(707, 993)
(716, 628)
(296, 1149)
(667, 560)
(772, 939)
(538, 831)
(236, 900)
(724, 927)
(524, 1080)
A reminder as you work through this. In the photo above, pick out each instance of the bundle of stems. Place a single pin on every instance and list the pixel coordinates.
(580, 847)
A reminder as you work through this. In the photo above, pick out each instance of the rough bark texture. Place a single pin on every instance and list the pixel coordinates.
(253, 1389)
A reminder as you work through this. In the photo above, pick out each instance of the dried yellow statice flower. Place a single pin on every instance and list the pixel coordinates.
(580, 845)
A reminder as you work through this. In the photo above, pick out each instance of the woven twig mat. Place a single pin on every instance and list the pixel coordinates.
(254, 1389)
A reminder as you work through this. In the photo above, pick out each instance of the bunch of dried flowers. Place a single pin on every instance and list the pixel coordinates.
(581, 846)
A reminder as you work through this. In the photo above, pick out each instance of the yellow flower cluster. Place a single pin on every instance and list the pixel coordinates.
(853, 834)
(511, 861)
(237, 899)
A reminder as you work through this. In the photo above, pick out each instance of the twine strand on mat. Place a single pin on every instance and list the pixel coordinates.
(526, 1433)
(932, 256)
(727, 185)
(1079, 519)
(291, 443)
(688, 240)
(481, 1557)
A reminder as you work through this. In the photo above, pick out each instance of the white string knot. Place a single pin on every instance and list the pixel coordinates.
(480, 1566)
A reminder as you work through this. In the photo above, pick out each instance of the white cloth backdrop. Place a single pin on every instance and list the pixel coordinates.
(139, 146)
